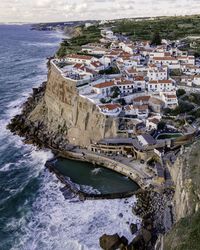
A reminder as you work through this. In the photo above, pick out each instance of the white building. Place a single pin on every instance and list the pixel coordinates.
(111, 109)
(170, 99)
(160, 86)
(152, 123)
(107, 34)
(141, 111)
(157, 73)
(196, 80)
(74, 58)
(169, 61)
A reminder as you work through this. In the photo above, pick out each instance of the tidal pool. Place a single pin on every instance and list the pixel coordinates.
(93, 178)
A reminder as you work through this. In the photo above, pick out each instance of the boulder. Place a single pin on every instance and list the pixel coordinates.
(146, 235)
(133, 228)
(110, 242)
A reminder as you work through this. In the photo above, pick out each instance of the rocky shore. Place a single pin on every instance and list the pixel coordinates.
(35, 133)
(156, 212)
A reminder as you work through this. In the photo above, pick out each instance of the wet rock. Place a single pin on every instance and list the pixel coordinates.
(146, 235)
(133, 228)
(121, 215)
(110, 242)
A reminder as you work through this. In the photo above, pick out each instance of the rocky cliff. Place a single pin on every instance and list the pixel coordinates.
(64, 116)
(186, 175)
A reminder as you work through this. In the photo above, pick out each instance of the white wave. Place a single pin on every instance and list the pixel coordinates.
(95, 171)
(56, 223)
(41, 44)
(89, 190)
(6, 167)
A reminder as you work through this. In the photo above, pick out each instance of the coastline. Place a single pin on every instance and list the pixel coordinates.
(147, 206)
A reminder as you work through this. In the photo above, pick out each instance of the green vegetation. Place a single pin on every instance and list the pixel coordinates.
(121, 101)
(105, 100)
(73, 45)
(185, 235)
(112, 70)
(169, 27)
(193, 98)
(180, 92)
(156, 39)
(115, 92)
(182, 108)
(161, 125)
(175, 72)
(169, 136)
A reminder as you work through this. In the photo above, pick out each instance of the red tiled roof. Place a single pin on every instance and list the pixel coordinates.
(110, 106)
(104, 85)
(160, 82)
(165, 58)
(141, 99)
(82, 57)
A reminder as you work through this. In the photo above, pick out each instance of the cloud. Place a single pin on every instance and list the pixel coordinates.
(64, 10)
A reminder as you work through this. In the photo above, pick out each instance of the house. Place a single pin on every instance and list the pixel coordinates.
(96, 65)
(131, 72)
(156, 104)
(186, 60)
(170, 99)
(112, 109)
(74, 58)
(190, 69)
(141, 100)
(107, 34)
(157, 73)
(160, 85)
(171, 62)
(106, 60)
(196, 80)
(140, 83)
(146, 140)
(94, 49)
(141, 111)
(103, 88)
(152, 123)
(187, 80)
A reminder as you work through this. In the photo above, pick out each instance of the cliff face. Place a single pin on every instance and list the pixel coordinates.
(74, 117)
(186, 175)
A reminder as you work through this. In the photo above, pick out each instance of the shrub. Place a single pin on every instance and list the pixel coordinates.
(180, 92)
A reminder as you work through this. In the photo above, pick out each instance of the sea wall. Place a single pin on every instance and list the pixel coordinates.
(76, 118)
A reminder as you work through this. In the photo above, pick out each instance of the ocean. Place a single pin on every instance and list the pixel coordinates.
(33, 211)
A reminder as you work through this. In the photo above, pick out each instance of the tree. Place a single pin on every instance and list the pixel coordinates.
(156, 39)
(161, 125)
(115, 92)
(180, 92)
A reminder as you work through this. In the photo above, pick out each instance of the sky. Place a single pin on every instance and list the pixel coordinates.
(67, 10)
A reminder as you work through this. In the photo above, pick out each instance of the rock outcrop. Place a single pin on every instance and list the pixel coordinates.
(62, 115)
(185, 234)
(112, 242)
